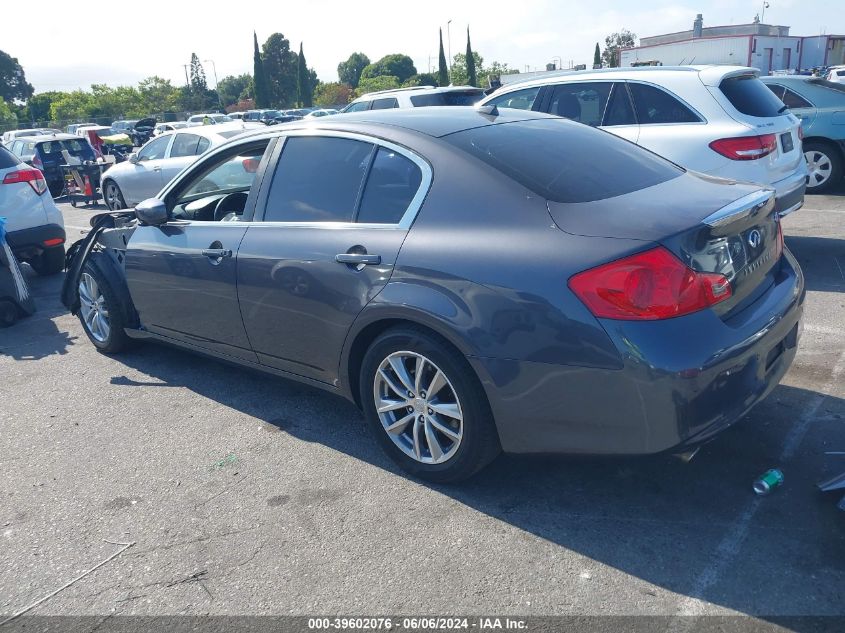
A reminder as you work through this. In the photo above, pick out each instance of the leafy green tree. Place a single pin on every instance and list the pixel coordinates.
(13, 84)
(613, 43)
(397, 65)
(597, 56)
(72, 106)
(349, 71)
(259, 77)
(38, 106)
(442, 69)
(332, 94)
(460, 69)
(472, 77)
(197, 74)
(422, 79)
(8, 119)
(374, 84)
(233, 88)
(280, 69)
(158, 95)
(303, 81)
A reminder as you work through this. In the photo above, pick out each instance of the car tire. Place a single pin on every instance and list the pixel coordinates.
(824, 163)
(113, 196)
(51, 261)
(103, 309)
(448, 435)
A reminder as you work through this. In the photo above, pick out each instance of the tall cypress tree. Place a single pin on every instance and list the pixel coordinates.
(259, 79)
(303, 81)
(597, 56)
(472, 78)
(443, 70)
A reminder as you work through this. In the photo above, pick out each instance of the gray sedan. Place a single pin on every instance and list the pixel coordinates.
(475, 281)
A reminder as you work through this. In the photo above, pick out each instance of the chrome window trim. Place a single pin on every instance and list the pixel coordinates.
(411, 212)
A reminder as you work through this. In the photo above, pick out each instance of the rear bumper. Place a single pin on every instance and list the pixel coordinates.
(674, 391)
(790, 191)
(28, 243)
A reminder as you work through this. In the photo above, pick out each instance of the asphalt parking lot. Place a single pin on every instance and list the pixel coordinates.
(245, 494)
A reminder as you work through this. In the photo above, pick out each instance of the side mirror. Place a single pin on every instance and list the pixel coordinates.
(133, 158)
(151, 212)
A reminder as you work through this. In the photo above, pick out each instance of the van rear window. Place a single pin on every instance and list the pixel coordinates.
(750, 96)
(564, 161)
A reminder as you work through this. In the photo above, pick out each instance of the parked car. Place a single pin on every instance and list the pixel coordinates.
(315, 114)
(236, 116)
(820, 106)
(416, 97)
(211, 119)
(553, 289)
(36, 230)
(45, 153)
(11, 135)
(152, 167)
(718, 120)
(169, 126)
(71, 129)
(836, 74)
(123, 126)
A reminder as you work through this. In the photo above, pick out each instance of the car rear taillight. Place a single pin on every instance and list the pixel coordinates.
(746, 147)
(32, 176)
(36, 162)
(648, 286)
(53, 242)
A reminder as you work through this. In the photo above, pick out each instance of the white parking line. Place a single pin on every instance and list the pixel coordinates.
(695, 602)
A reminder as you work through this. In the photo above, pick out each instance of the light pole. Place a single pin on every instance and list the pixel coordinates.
(216, 83)
(763, 14)
(559, 66)
(449, 39)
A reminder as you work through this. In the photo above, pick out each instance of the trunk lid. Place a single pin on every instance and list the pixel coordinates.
(711, 225)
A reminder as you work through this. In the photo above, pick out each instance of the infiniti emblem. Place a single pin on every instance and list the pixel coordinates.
(754, 238)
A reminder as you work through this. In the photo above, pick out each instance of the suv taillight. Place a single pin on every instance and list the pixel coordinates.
(648, 286)
(746, 147)
(32, 176)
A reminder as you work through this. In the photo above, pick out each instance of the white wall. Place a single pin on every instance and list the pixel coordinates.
(722, 50)
(780, 58)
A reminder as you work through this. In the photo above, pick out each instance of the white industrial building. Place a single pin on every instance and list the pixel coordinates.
(766, 47)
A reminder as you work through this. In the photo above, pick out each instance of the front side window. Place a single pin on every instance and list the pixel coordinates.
(582, 102)
(318, 179)
(154, 150)
(519, 99)
(392, 183)
(357, 107)
(184, 145)
(654, 106)
(234, 173)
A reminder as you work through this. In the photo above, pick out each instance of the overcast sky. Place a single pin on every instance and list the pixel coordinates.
(78, 44)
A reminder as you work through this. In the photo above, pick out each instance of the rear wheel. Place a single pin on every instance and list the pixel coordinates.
(824, 165)
(114, 197)
(100, 312)
(426, 407)
(50, 262)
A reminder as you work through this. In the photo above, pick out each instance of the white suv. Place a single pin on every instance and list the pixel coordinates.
(34, 224)
(717, 120)
(416, 97)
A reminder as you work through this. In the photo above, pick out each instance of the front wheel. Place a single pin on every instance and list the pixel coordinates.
(102, 316)
(114, 197)
(426, 407)
(824, 165)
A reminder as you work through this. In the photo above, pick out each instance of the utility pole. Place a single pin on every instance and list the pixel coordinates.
(449, 38)
(187, 82)
(216, 83)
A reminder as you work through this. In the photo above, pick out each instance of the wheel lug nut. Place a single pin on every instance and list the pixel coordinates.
(410, 394)
(431, 411)
(421, 419)
(422, 394)
(410, 409)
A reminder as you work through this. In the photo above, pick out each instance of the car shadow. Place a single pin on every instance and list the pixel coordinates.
(822, 259)
(670, 523)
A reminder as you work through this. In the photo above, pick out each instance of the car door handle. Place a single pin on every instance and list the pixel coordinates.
(357, 258)
(156, 168)
(216, 253)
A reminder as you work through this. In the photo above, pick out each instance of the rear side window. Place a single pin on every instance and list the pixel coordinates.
(563, 162)
(318, 179)
(385, 104)
(7, 159)
(654, 105)
(203, 145)
(452, 98)
(582, 102)
(750, 96)
(391, 186)
(794, 100)
(619, 110)
(184, 145)
(519, 99)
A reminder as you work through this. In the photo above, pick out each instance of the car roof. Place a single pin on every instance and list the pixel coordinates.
(211, 131)
(436, 122)
(417, 90)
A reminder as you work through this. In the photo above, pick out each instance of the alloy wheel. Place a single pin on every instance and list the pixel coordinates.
(92, 305)
(113, 197)
(819, 166)
(418, 407)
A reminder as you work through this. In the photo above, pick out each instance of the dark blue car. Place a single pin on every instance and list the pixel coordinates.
(45, 153)
(476, 281)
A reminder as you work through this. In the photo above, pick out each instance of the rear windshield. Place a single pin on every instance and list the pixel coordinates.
(451, 98)
(565, 161)
(7, 159)
(750, 96)
(824, 83)
(74, 148)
